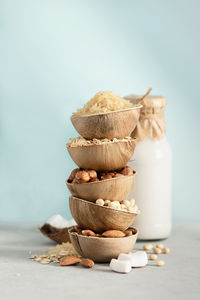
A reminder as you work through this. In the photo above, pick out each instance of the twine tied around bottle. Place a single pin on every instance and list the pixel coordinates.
(151, 122)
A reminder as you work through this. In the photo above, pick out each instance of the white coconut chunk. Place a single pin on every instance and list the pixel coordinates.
(137, 259)
(120, 266)
(58, 221)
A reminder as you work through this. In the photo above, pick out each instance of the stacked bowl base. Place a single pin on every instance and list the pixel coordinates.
(104, 157)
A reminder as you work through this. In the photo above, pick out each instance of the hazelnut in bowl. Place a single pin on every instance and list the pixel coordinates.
(99, 218)
(101, 248)
(115, 185)
(101, 154)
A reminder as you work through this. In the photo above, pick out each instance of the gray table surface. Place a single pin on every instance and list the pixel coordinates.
(21, 278)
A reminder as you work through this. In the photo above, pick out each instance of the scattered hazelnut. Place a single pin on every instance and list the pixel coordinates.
(157, 250)
(165, 250)
(148, 247)
(153, 256)
(160, 263)
(160, 246)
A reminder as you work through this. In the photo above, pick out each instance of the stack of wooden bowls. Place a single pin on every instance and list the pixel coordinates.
(103, 157)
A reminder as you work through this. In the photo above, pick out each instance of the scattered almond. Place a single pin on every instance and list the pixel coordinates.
(87, 263)
(69, 260)
(113, 234)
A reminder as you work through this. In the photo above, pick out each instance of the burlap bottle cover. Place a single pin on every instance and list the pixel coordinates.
(151, 122)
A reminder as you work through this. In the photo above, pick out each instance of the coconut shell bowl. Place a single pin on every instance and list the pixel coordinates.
(114, 189)
(116, 124)
(99, 218)
(102, 249)
(106, 156)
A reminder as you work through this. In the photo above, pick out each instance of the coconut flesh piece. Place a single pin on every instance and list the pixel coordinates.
(120, 266)
(136, 259)
(59, 222)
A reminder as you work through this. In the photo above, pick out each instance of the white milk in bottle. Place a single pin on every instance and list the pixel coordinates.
(152, 161)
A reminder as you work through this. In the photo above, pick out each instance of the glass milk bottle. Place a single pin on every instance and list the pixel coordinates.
(152, 161)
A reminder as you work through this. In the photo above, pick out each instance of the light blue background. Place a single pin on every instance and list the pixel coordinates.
(55, 55)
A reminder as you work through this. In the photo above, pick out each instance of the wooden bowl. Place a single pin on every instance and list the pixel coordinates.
(103, 157)
(117, 188)
(99, 218)
(116, 124)
(102, 249)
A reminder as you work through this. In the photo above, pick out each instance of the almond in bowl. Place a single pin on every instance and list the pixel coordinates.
(102, 249)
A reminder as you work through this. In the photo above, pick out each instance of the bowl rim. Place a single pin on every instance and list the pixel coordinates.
(104, 238)
(104, 207)
(104, 143)
(100, 181)
(137, 106)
